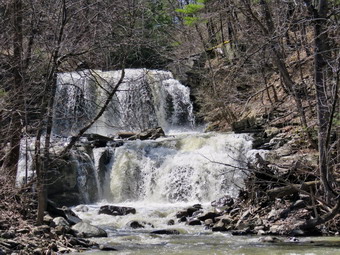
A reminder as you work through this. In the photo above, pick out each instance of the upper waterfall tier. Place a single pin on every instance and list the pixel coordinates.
(145, 99)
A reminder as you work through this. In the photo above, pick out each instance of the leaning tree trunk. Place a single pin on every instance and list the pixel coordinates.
(17, 109)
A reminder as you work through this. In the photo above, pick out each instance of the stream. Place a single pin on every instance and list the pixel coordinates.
(192, 239)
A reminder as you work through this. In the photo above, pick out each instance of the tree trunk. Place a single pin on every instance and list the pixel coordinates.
(12, 157)
(321, 48)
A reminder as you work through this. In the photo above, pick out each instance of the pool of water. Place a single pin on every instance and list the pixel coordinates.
(192, 240)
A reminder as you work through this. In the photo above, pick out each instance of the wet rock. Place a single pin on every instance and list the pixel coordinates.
(225, 219)
(125, 135)
(181, 214)
(134, 224)
(189, 211)
(171, 222)
(270, 239)
(194, 222)
(149, 134)
(116, 210)
(182, 219)
(81, 208)
(208, 215)
(166, 232)
(243, 232)
(97, 140)
(64, 212)
(219, 227)
(87, 230)
(106, 248)
(208, 223)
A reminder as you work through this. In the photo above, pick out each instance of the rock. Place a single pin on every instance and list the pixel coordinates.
(270, 239)
(223, 203)
(81, 208)
(62, 230)
(48, 219)
(64, 212)
(208, 215)
(97, 140)
(125, 135)
(116, 210)
(243, 232)
(219, 226)
(135, 224)
(182, 219)
(181, 214)
(192, 210)
(149, 134)
(166, 232)
(225, 219)
(208, 222)
(60, 221)
(194, 222)
(189, 211)
(88, 230)
(106, 248)
(171, 222)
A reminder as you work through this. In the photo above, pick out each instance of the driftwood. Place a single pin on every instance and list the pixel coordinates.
(292, 189)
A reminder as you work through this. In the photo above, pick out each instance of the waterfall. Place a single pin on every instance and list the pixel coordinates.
(187, 167)
(145, 99)
(197, 167)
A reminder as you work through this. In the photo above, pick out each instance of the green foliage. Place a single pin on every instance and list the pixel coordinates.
(191, 11)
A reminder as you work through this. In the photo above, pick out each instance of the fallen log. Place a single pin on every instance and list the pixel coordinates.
(292, 189)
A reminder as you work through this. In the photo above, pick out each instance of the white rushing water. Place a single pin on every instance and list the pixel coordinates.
(145, 99)
(185, 168)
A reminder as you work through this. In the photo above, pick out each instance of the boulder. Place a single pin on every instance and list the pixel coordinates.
(103, 247)
(81, 208)
(149, 134)
(208, 215)
(166, 232)
(60, 221)
(116, 210)
(219, 226)
(194, 222)
(136, 224)
(64, 212)
(170, 222)
(87, 230)
(97, 140)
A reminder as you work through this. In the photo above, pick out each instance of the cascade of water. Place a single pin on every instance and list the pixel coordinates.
(189, 168)
(146, 99)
